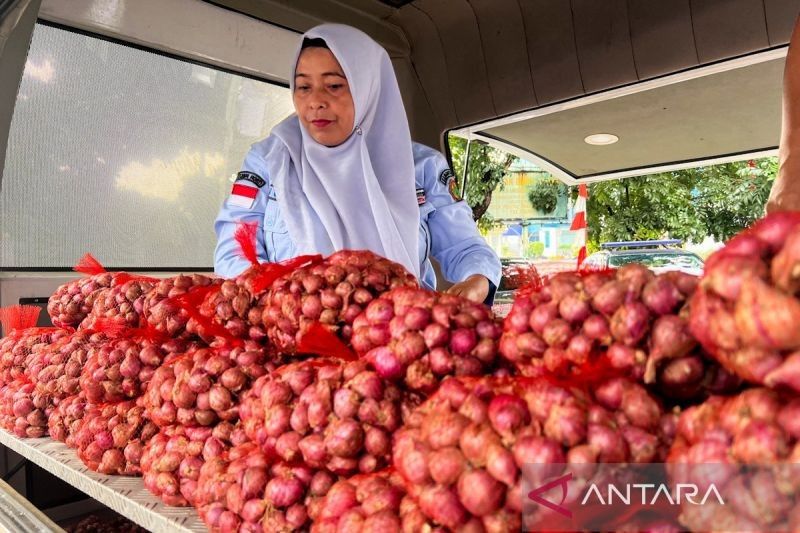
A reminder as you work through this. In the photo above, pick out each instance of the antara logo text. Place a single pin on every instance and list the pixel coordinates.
(684, 493)
(645, 493)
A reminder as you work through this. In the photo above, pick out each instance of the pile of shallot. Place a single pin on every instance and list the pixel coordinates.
(462, 452)
(332, 292)
(757, 427)
(747, 310)
(628, 319)
(419, 337)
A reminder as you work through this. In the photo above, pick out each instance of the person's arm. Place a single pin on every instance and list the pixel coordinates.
(464, 255)
(239, 206)
(785, 193)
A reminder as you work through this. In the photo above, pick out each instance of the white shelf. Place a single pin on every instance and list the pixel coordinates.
(125, 495)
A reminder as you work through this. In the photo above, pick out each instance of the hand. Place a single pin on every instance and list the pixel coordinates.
(475, 288)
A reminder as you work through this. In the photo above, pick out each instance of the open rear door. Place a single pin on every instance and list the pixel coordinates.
(17, 18)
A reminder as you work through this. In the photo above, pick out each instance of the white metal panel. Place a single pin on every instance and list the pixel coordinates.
(189, 28)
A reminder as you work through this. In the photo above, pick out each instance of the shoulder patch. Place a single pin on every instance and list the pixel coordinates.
(243, 195)
(253, 178)
(420, 196)
(452, 188)
(444, 177)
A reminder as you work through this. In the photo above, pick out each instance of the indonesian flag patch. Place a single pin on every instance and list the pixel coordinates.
(243, 195)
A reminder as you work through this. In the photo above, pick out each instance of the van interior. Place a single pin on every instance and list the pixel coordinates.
(122, 121)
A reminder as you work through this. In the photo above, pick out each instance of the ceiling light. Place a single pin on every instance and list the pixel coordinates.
(601, 139)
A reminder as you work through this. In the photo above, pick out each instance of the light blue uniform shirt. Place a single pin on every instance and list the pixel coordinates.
(447, 231)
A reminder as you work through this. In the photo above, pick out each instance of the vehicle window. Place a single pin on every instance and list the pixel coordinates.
(656, 260)
(110, 140)
(522, 211)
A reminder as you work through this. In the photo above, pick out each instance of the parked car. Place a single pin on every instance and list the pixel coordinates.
(659, 256)
(517, 273)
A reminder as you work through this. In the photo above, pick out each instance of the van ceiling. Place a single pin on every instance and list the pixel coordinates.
(462, 62)
(716, 116)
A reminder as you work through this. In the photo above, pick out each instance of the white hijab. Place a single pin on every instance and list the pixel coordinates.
(361, 194)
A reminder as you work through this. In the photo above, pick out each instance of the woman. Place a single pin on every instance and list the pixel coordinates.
(343, 173)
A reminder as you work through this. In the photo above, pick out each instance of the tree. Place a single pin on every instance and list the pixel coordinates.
(689, 204)
(543, 195)
(487, 167)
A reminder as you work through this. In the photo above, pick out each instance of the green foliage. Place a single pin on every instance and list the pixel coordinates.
(543, 195)
(487, 223)
(687, 204)
(535, 249)
(487, 167)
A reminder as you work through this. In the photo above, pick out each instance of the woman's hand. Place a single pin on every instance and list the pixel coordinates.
(475, 288)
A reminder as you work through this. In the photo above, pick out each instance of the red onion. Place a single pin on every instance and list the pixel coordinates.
(628, 321)
(161, 313)
(120, 369)
(188, 390)
(333, 292)
(420, 336)
(172, 459)
(369, 503)
(110, 437)
(332, 415)
(64, 420)
(245, 488)
(462, 467)
(73, 301)
(17, 349)
(122, 303)
(752, 428)
(746, 311)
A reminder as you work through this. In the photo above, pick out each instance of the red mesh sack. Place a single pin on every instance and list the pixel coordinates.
(247, 490)
(160, 311)
(229, 310)
(56, 368)
(362, 504)
(627, 319)
(120, 369)
(758, 427)
(332, 292)
(16, 349)
(746, 312)
(419, 337)
(172, 459)
(203, 386)
(122, 303)
(233, 310)
(519, 276)
(72, 301)
(64, 420)
(331, 415)
(459, 452)
(15, 318)
(24, 409)
(110, 437)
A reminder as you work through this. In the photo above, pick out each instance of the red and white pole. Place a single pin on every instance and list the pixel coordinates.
(579, 221)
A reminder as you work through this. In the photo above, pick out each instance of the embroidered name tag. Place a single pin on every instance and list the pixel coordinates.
(445, 176)
(253, 178)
